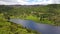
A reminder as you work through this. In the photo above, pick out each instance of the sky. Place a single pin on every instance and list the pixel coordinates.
(28, 2)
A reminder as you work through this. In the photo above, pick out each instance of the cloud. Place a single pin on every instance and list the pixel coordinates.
(9, 0)
(33, 2)
(28, 2)
(5, 2)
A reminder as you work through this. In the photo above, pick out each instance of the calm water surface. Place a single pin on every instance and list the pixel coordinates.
(43, 28)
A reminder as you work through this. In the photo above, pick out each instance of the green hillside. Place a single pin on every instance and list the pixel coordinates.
(48, 14)
(12, 28)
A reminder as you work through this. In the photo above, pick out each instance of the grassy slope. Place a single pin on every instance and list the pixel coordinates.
(49, 14)
(12, 28)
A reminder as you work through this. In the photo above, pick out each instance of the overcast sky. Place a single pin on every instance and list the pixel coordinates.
(28, 2)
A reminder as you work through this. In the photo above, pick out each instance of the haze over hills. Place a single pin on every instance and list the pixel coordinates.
(28, 2)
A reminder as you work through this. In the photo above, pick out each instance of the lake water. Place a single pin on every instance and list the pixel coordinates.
(43, 28)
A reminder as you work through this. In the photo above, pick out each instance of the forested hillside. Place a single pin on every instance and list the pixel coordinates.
(48, 14)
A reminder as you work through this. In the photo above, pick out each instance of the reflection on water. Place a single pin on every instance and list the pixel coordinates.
(43, 28)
